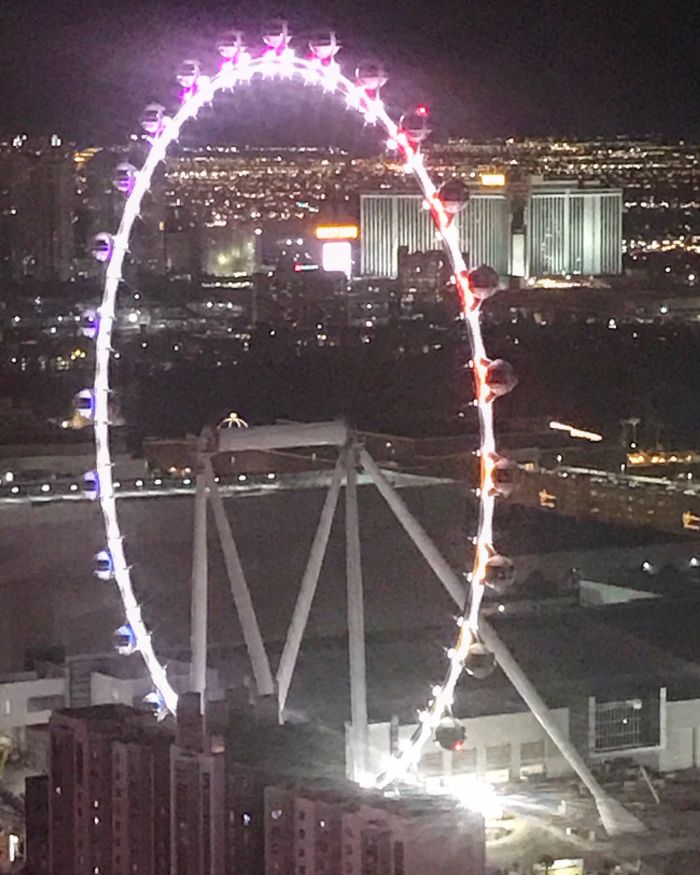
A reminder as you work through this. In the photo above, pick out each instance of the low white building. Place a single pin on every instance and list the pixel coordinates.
(613, 695)
(504, 748)
(28, 698)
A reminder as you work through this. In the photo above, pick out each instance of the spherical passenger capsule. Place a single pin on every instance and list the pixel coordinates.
(454, 195)
(370, 76)
(89, 324)
(125, 640)
(155, 703)
(499, 574)
(324, 47)
(104, 565)
(483, 282)
(84, 403)
(504, 478)
(415, 125)
(124, 177)
(480, 662)
(276, 36)
(230, 44)
(500, 378)
(102, 246)
(91, 485)
(450, 734)
(188, 73)
(152, 119)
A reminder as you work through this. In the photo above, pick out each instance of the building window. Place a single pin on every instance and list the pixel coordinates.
(626, 724)
(531, 758)
(464, 761)
(498, 756)
(498, 759)
(431, 764)
(45, 703)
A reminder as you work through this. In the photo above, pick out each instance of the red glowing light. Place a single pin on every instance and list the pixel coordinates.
(422, 110)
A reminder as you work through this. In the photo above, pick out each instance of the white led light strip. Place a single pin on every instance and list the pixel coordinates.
(285, 64)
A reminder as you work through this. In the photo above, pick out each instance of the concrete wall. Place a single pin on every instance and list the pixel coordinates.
(16, 691)
(682, 749)
(482, 733)
(106, 689)
(15, 696)
(679, 748)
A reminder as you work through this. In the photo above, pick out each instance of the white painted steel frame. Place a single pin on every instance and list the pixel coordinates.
(241, 69)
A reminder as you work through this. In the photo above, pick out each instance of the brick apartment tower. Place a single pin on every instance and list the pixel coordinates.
(108, 793)
(124, 797)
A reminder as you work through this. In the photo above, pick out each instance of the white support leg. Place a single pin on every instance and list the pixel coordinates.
(356, 620)
(241, 594)
(307, 590)
(200, 588)
(454, 586)
(616, 819)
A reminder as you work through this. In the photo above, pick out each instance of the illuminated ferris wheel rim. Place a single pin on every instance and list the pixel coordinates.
(198, 90)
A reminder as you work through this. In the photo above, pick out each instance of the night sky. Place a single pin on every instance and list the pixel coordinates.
(563, 67)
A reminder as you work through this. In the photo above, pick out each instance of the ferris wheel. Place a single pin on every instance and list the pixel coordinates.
(476, 646)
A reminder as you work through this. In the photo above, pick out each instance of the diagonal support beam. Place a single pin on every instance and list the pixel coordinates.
(616, 819)
(239, 589)
(307, 590)
(200, 592)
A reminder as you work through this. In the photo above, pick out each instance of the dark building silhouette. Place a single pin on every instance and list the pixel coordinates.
(108, 793)
(126, 795)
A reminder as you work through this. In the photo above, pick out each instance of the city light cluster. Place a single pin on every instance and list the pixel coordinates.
(492, 378)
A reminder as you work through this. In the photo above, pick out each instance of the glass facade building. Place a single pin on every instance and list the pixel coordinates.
(571, 229)
(546, 229)
(389, 221)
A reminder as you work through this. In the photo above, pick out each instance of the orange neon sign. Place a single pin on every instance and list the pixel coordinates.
(492, 180)
(337, 232)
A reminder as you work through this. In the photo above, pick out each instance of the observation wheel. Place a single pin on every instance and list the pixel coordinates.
(472, 649)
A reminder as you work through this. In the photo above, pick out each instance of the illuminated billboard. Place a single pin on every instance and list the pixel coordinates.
(492, 180)
(337, 232)
(336, 255)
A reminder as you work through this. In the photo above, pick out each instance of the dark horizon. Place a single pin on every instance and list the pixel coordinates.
(515, 70)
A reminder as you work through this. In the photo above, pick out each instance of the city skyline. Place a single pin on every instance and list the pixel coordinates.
(483, 72)
(474, 356)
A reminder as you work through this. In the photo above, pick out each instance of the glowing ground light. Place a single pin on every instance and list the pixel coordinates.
(363, 96)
